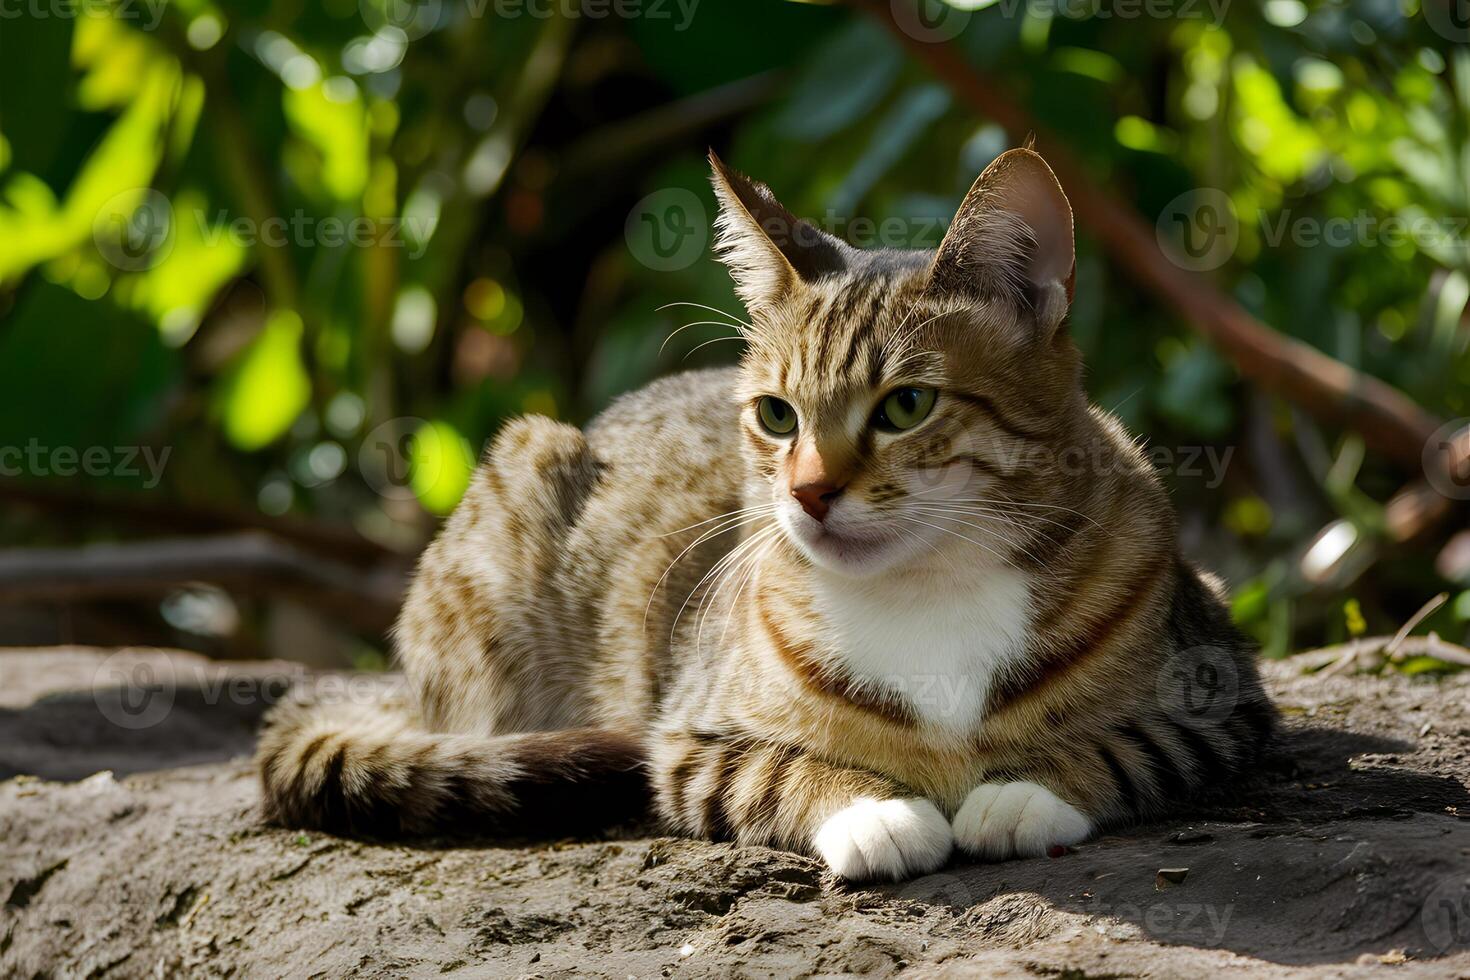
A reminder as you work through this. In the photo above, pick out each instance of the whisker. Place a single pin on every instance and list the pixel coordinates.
(1038, 506)
(1006, 499)
(941, 514)
(752, 564)
(915, 535)
(884, 351)
(716, 571)
(1041, 566)
(728, 525)
(711, 309)
(967, 507)
(713, 571)
(696, 323)
(758, 508)
(913, 334)
(945, 530)
(707, 343)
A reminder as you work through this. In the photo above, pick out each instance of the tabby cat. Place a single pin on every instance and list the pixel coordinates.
(889, 588)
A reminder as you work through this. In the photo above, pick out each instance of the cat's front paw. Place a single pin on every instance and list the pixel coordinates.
(891, 839)
(1005, 820)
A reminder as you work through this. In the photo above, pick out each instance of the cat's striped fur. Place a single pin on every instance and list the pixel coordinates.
(991, 640)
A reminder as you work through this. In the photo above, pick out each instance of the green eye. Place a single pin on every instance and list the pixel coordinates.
(778, 417)
(905, 408)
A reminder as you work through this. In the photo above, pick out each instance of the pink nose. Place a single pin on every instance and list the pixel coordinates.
(816, 498)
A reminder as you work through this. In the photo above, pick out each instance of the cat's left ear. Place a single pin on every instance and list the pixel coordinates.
(768, 251)
(1012, 237)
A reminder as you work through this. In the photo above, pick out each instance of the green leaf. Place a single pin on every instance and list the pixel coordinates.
(440, 464)
(35, 77)
(829, 95)
(268, 387)
(78, 373)
(1194, 394)
(330, 119)
(901, 126)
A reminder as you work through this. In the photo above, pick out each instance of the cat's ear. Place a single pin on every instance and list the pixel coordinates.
(767, 250)
(1012, 237)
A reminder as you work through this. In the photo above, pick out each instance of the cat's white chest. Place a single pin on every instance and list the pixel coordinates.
(938, 643)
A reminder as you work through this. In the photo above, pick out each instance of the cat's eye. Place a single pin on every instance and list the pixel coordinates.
(904, 408)
(778, 417)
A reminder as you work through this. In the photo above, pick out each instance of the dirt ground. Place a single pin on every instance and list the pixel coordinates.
(130, 846)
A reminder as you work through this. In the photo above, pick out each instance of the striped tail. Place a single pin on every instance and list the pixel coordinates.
(368, 770)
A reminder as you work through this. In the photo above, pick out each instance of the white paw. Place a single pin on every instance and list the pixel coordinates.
(1004, 820)
(892, 839)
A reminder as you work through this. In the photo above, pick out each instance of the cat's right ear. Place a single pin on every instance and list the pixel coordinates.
(1012, 237)
(768, 251)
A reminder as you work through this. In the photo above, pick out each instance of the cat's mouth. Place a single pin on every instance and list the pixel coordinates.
(839, 546)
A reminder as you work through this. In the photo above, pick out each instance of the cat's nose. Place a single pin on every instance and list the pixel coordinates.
(816, 497)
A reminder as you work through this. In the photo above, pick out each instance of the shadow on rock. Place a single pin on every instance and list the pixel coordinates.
(1329, 852)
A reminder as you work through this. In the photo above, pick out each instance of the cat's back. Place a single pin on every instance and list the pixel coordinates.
(683, 419)
(667, 456)
(554, 563)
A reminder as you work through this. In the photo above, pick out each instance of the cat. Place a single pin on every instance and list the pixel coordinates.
(890, 588)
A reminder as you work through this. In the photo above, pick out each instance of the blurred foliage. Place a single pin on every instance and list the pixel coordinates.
(296, 242)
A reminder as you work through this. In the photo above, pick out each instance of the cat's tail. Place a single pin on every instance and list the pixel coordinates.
(369, 770)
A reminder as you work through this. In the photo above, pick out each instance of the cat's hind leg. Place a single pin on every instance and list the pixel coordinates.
(489, 639)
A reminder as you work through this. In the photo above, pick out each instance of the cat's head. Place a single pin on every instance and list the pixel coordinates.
(897, 402)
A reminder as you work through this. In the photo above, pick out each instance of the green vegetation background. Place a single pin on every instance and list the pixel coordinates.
(500, 149)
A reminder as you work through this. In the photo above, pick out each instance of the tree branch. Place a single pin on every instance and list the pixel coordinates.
(1389, 421)
(339, 542)
(249, 564)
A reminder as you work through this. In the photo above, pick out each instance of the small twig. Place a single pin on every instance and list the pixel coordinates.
(1450, 653)
(1414, 646)
(1392, 650)
(1347, 659)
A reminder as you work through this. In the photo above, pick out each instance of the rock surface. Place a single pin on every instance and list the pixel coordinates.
(1347, 855)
